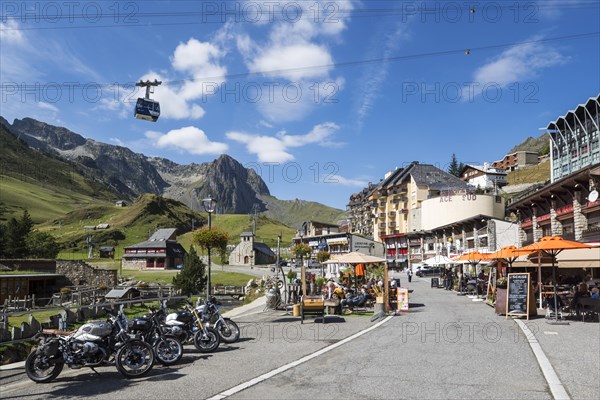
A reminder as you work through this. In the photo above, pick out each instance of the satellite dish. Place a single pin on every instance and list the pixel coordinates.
(593, 196)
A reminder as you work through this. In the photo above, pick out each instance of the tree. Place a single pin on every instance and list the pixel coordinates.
(301, 250)
(41, 245)
(323, 256)
(192, 278)
(455, 168)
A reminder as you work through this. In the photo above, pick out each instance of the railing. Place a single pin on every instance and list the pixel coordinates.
(564, 209)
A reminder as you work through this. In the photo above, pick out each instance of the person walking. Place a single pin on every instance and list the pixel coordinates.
(409, 274)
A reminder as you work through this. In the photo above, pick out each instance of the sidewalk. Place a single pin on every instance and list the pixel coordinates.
(573, 351)
(257, 305)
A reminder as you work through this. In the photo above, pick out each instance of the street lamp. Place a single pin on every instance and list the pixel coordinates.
(209, 206)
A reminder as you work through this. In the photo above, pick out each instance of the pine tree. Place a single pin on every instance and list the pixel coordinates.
(453, 168)
(192, 278)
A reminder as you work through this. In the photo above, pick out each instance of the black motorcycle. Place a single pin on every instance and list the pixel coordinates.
(188, 325)
(92, 345)
(167, 348)
(228, 330)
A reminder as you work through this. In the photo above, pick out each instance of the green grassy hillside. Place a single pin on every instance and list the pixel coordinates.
(46, 186)
(532, 174)
(294, 212)
(266, 229)
(135, 223)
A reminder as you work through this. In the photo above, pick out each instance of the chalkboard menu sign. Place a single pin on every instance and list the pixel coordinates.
(517, 298)
(435, 282)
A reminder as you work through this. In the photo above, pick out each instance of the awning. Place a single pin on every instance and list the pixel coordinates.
(576, 258)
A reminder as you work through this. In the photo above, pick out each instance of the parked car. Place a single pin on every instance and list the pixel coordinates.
(284, 263)
(313, 264)
(429, 271)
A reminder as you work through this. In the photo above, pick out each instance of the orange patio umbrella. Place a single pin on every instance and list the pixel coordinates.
(552, 246)
(473, 257)
(507, 254)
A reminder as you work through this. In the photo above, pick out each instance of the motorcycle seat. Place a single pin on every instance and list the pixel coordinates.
(57, 332)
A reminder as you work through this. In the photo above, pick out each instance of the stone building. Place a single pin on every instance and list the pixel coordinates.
(249, 252)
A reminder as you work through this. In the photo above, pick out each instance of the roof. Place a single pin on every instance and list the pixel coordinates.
(263, 248)
(423, 175)
(246, 234)
(119, 293)
(158, 240)
(163, 234)
(107, 248)
(488, 171)
(583, 105)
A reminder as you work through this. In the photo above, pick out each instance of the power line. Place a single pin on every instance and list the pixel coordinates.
(461, 51)
(320, 15)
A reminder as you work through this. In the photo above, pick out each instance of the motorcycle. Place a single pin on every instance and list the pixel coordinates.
(167, 348)
(188, 325)
(228, 330)
(92, 345)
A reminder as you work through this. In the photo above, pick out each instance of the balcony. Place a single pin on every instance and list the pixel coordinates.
(391, 224)
(381, 225)
(392, 213)
(382, 204)
(381, 215)
(404, 211)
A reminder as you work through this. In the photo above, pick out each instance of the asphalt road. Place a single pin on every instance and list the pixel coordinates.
(446, 347)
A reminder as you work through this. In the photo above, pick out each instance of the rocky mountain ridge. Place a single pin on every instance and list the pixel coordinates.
(240, 190)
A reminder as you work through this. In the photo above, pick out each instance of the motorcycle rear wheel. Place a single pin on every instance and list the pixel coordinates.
(229, 331)
(135, 359)
(39, 370)
(207, 343)
(168, 350)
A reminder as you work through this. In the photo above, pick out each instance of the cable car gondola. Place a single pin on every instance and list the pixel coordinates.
(147, 108)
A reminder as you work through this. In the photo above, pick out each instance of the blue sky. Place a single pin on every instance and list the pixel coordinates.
(320, 97)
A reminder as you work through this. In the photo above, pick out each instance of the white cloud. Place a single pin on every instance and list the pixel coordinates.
(522, 61)
(276, 148)
(293, 62)
(374, 76)
(10, 33)
(340, 180)
(296, 52)
(47, 106)
(189, 139)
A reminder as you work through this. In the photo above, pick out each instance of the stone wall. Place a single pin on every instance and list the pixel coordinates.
(133, 263)
(79, 273)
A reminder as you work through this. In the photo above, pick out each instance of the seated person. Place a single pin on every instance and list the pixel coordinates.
(582, 291)
(595, 293)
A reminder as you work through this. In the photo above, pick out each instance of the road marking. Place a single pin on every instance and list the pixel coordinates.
(550, 333)
(556, 386)
(283, 368)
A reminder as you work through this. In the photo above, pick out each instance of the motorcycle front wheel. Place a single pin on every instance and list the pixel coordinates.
(207, 341)
(168, 350)
(40, 370)
(135, 359)
(229, 331)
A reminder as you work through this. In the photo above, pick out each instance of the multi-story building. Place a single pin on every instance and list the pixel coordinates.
(568, 207)
(360, 212)
(339, 243)
(402, 191)
(483, 177)
(574, 139)
(516, 160)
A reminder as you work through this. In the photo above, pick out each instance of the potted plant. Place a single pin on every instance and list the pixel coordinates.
(319, 282)
(291, 275)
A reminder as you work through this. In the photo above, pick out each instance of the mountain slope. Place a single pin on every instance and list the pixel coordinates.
(239, 190)
(541, 145)
(45, 185)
